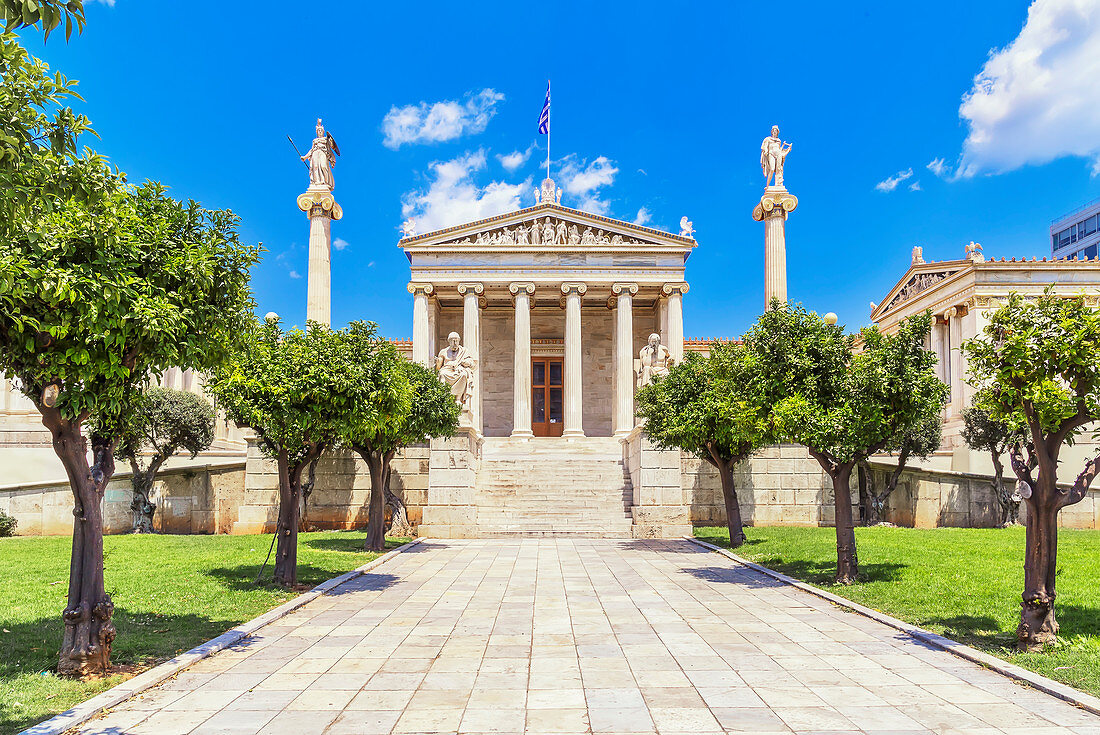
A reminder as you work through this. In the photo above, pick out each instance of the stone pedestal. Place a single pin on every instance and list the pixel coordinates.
(659, 509)
(772, 210)
(451, 507)
(319, 204)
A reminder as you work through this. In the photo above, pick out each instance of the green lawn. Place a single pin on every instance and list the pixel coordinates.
(170, 593)
(961, 583)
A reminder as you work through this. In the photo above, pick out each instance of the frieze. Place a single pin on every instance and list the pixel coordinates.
(918, 283)
(548, 231)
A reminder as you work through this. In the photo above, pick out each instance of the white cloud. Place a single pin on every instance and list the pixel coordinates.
(891, 183)
(108, 3)
(643, 217)
(584, 180)
(515, 159)
(339, 243)
(915, 186)
(453, 197)
(439, 121)
(939, 167)
(1037, 99)
(295, 274)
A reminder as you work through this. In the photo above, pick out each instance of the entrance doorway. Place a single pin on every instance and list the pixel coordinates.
(547, 407)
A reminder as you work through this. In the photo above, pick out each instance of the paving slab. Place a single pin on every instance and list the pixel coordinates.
(561, 635)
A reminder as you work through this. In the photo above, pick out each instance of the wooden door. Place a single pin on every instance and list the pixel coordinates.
(547, 406)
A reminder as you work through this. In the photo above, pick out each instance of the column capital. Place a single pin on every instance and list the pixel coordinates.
(515, 288)
(670, 288)
(774, 204)
(420, 289)
(477, 288)
(619, 288)
(319, 203)
(579, 288)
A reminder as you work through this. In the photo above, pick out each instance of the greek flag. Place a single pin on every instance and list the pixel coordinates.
(544, 118)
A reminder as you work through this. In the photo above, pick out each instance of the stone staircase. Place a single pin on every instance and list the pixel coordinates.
(553, 486)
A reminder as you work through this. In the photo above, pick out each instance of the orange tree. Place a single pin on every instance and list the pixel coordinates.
(710, 407)
(1037, 367)
(843, 405)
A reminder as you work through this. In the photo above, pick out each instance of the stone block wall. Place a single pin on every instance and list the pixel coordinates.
(195, 499)
(659, 506)
(450, 510)
(340, 495)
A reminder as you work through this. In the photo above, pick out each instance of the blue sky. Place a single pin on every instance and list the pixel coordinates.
(658, 112)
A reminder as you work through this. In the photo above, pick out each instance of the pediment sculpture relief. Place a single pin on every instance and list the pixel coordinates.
(547, 231)
(917, 283)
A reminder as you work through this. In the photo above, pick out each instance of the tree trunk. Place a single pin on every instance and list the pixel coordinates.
(141, 482)
(847, 563)
(399, 516)
(1009, 506)
(864, 483)
(86, 645)
(733, 508)
(305, 492)
(1037, 623)
(286, 547)
(877, 501)
(376, 508)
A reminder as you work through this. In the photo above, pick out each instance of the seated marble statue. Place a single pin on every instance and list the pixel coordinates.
(456, 365)
(653, 361)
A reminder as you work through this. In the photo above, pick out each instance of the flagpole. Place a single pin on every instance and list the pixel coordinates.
(548, 131)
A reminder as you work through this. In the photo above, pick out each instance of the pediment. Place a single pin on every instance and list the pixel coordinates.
(914, 283)
(547, 226)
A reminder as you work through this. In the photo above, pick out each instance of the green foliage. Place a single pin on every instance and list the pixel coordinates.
(49, 13)
(984, 432)
(843, 404)
(921, 440)
(433, 411)
(161, 420)
(708, 403)
(7, 524)
(1037, 364)
(102, 295)
(41, 163)
(297, 389)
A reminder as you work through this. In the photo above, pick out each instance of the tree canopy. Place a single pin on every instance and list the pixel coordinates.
(48, 13)
(711, 407)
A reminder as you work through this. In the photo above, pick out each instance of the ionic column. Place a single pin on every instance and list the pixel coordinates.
(574, 423)
(322, 209)
(421, 292)
(521, 387)
(471, 338)
(954, 327)
(772, 210)
(622, 417)
(674, 295)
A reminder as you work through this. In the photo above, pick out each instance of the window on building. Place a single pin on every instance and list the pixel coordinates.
(1089, 252)
(1086, 228)
(1063, 238)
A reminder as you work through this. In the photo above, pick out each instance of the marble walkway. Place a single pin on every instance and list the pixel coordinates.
(578, 636)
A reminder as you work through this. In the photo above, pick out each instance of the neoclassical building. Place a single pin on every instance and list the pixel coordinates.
(556, 304)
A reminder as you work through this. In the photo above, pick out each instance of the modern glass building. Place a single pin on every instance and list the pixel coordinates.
(1077, 234)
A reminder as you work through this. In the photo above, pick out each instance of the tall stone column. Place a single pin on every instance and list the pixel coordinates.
(574, 422)
(521, 386)
(772, 210)
(954, 327)
(319, 204)
(674, 295)
(421, 292)
(471, 338)
(622, 418)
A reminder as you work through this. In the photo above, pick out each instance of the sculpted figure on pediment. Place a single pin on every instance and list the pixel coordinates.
(506, 237)
(521, 235)
(587, 238)
(548, 232)
(601, 237)
(536, 233)
(616, 239)
(561, 236)
(574, 235)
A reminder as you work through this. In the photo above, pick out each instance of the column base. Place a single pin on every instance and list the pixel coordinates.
(521, 435)
(573, 434)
